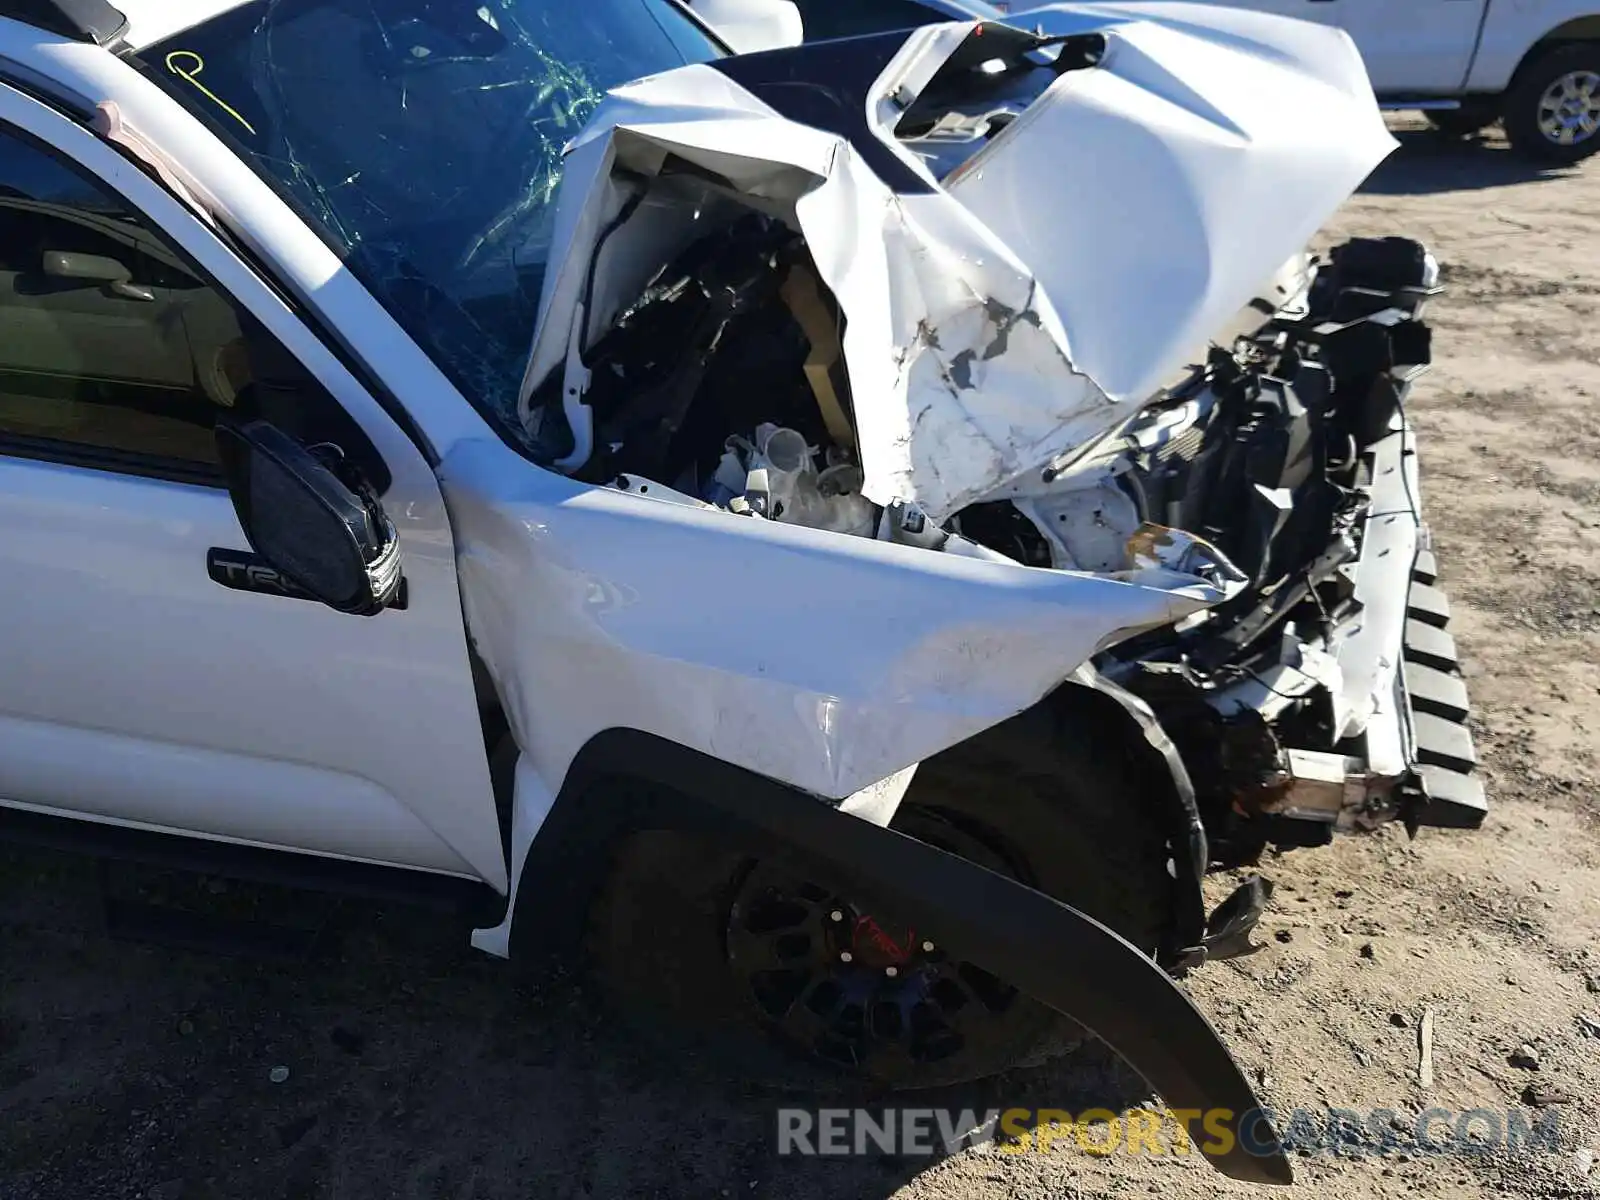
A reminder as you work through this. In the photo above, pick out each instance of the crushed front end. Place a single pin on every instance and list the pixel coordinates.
(999, 294)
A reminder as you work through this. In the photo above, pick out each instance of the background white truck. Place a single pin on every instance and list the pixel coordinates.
(1533, 64)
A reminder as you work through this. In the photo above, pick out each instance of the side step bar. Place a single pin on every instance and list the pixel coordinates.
(1423, 103)
(1452, 794)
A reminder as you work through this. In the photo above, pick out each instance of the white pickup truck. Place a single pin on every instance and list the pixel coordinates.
(775, 515)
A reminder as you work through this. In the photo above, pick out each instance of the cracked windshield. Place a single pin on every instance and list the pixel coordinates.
(423, 140)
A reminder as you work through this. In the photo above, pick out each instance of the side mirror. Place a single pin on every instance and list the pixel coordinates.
(95, 268)
(750, 26)
(312, 517)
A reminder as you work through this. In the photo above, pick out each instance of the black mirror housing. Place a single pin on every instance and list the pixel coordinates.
(311, 517)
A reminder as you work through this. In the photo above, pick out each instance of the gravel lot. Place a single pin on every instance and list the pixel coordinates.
(417, 1069)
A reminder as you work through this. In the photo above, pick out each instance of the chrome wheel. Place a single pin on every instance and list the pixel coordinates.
(1569, 109)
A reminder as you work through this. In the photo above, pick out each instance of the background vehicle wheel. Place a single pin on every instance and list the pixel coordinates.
(1552, 111)
(724, 944)
(1472, 117)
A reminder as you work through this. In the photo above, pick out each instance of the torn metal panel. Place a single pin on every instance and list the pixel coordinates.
(1302, 670)
(903, 287)
(1220, 142)
(1001, 320)
(1088, 526)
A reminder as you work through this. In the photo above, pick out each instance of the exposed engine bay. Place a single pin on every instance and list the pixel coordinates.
(722, 384)
(1266, 471)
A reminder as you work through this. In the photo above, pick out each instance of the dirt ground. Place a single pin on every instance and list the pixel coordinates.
(414, 1070)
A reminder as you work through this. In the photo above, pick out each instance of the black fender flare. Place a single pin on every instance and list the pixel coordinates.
(1056, 954)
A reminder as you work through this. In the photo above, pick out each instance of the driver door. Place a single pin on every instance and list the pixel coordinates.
(1319, 12)
(152, 672)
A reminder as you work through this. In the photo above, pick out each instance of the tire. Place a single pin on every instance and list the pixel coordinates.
(1036, 799)
(1528, 116)
(1472, 117)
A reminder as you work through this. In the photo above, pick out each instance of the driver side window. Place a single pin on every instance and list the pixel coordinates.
(115, 353)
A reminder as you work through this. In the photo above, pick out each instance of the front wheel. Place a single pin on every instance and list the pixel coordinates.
(726, 940)
(1552, 111)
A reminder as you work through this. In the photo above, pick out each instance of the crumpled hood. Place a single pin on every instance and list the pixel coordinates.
(1049, 286)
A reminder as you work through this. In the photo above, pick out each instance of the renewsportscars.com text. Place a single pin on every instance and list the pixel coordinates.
(1099, 1131)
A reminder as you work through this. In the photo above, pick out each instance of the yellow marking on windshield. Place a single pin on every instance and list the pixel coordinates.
(191, 75)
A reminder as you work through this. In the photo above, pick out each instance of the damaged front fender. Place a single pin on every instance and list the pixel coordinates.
(828, 663)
